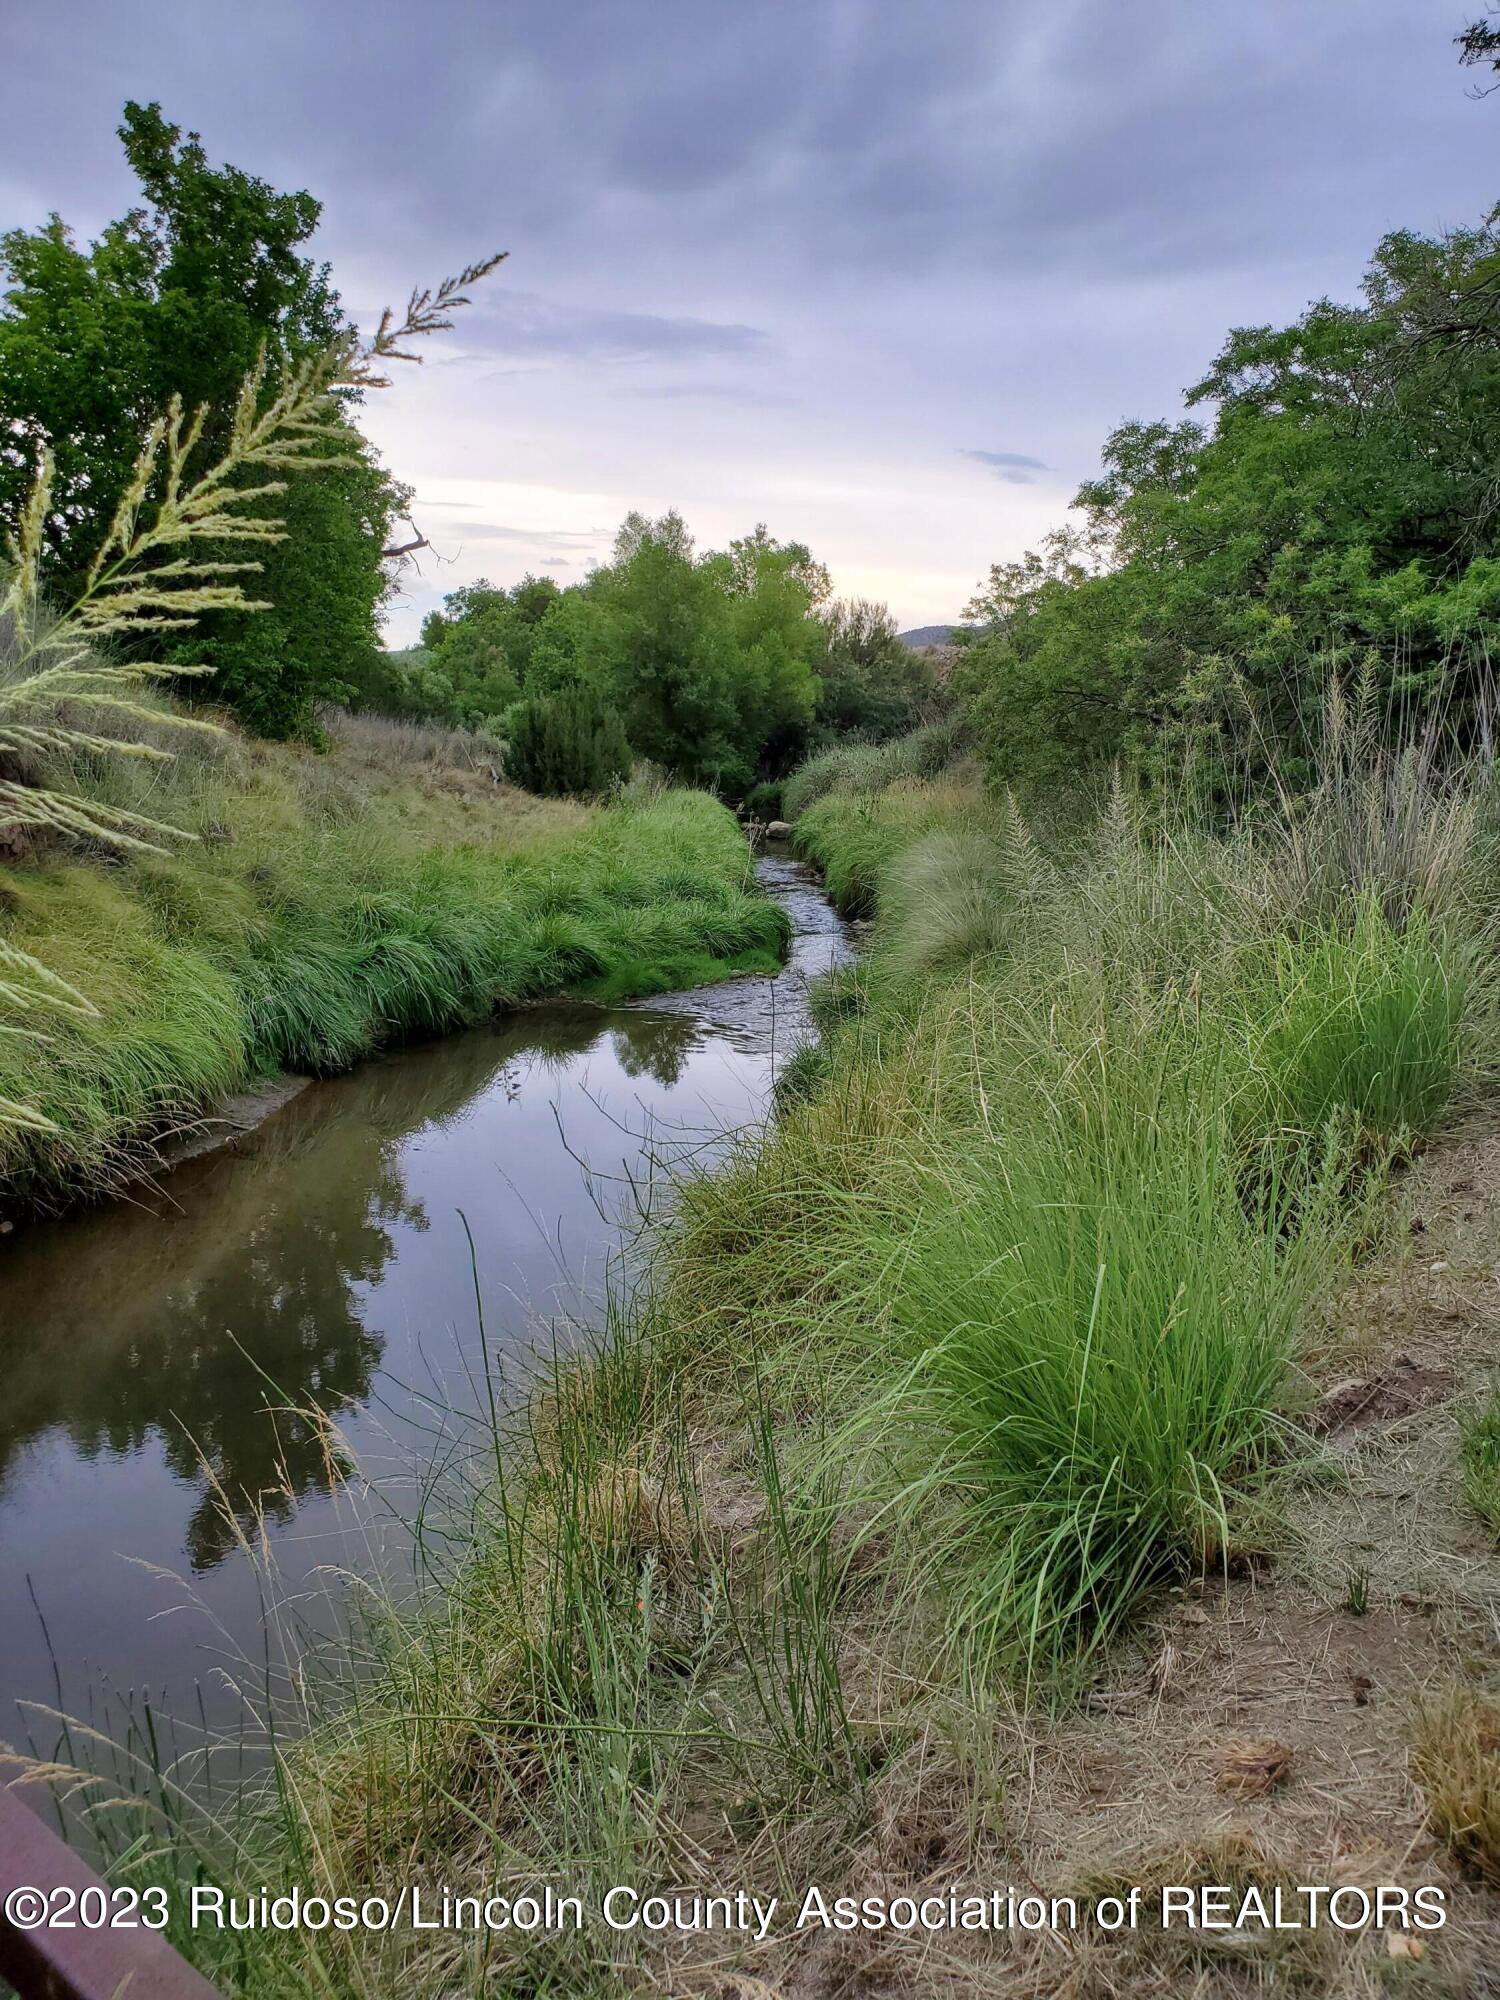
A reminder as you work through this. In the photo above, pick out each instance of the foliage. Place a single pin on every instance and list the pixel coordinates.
(1335, 513)
(874, 685)
(406, 685)
(763, 801)
(1479, 1462)
(1361, 1030)
(869, 767)
(178, 299)
(567, 745)
(480, 645)
(159, 567)
(1479, 44)
(709, 661)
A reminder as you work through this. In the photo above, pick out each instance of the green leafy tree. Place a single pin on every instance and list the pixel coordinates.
(483, 639)
(568, 647)
(1336, 510)
(874, 684)
(667, 652)
(773, 588)
(178, 298)
(709, 662)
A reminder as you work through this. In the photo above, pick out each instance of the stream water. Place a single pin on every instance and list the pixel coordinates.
(158, 1354)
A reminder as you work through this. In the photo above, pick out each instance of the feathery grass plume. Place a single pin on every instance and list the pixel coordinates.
(159, 568)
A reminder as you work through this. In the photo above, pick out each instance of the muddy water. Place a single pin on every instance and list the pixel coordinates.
(157, 1357)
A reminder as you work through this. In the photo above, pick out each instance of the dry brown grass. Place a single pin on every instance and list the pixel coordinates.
(1456, 1761)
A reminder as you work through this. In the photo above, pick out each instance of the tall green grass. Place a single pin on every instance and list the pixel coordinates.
(1101, 1334)
(1131, 1089)
(319, 921)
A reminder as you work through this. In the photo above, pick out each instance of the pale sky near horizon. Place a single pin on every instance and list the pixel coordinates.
(881, 276)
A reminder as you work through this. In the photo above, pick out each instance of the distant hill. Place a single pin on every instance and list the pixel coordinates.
(928, 635)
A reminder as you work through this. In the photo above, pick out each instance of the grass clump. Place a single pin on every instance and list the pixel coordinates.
(1456, 1761)
(1361, 1021)
(1479, 1462)
(1104, 1338)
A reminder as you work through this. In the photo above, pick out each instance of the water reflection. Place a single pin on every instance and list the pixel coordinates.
(162, 1358)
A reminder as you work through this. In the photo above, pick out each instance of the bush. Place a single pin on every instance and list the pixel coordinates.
(862, 768)
(763, 801)
(566, 745)
(849, 767)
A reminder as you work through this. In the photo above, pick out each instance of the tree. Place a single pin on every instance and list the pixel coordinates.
(1479, 44)
(178, 298)
(773, 588)
(709, 662)
(1334, 509)
(483, 639)
(874, 684)
(668, 656)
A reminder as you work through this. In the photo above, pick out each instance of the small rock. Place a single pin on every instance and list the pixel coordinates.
(778, 829)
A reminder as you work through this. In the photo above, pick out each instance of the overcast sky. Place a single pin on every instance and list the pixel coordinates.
(881, 275)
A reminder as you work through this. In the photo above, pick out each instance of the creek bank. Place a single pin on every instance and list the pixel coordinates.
(333, 908)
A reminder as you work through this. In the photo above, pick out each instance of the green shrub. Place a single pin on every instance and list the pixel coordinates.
(763, 801)
(857, 768)
(848, 767)
(568, 745)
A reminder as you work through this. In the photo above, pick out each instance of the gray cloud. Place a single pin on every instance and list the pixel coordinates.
(492, 531)
(506, 322)
(1014, 467)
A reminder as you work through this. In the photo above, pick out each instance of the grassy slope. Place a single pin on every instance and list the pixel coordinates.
(993, 1340)
(332, 903)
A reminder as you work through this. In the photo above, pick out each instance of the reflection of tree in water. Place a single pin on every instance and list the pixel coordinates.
(216, 1325)
(211, 1316)
(289, 1304)
(655, 1045)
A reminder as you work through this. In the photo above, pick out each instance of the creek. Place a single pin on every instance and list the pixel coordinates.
(161, 1466)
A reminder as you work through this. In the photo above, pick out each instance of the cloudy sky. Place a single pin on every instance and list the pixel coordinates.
(881, 275)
